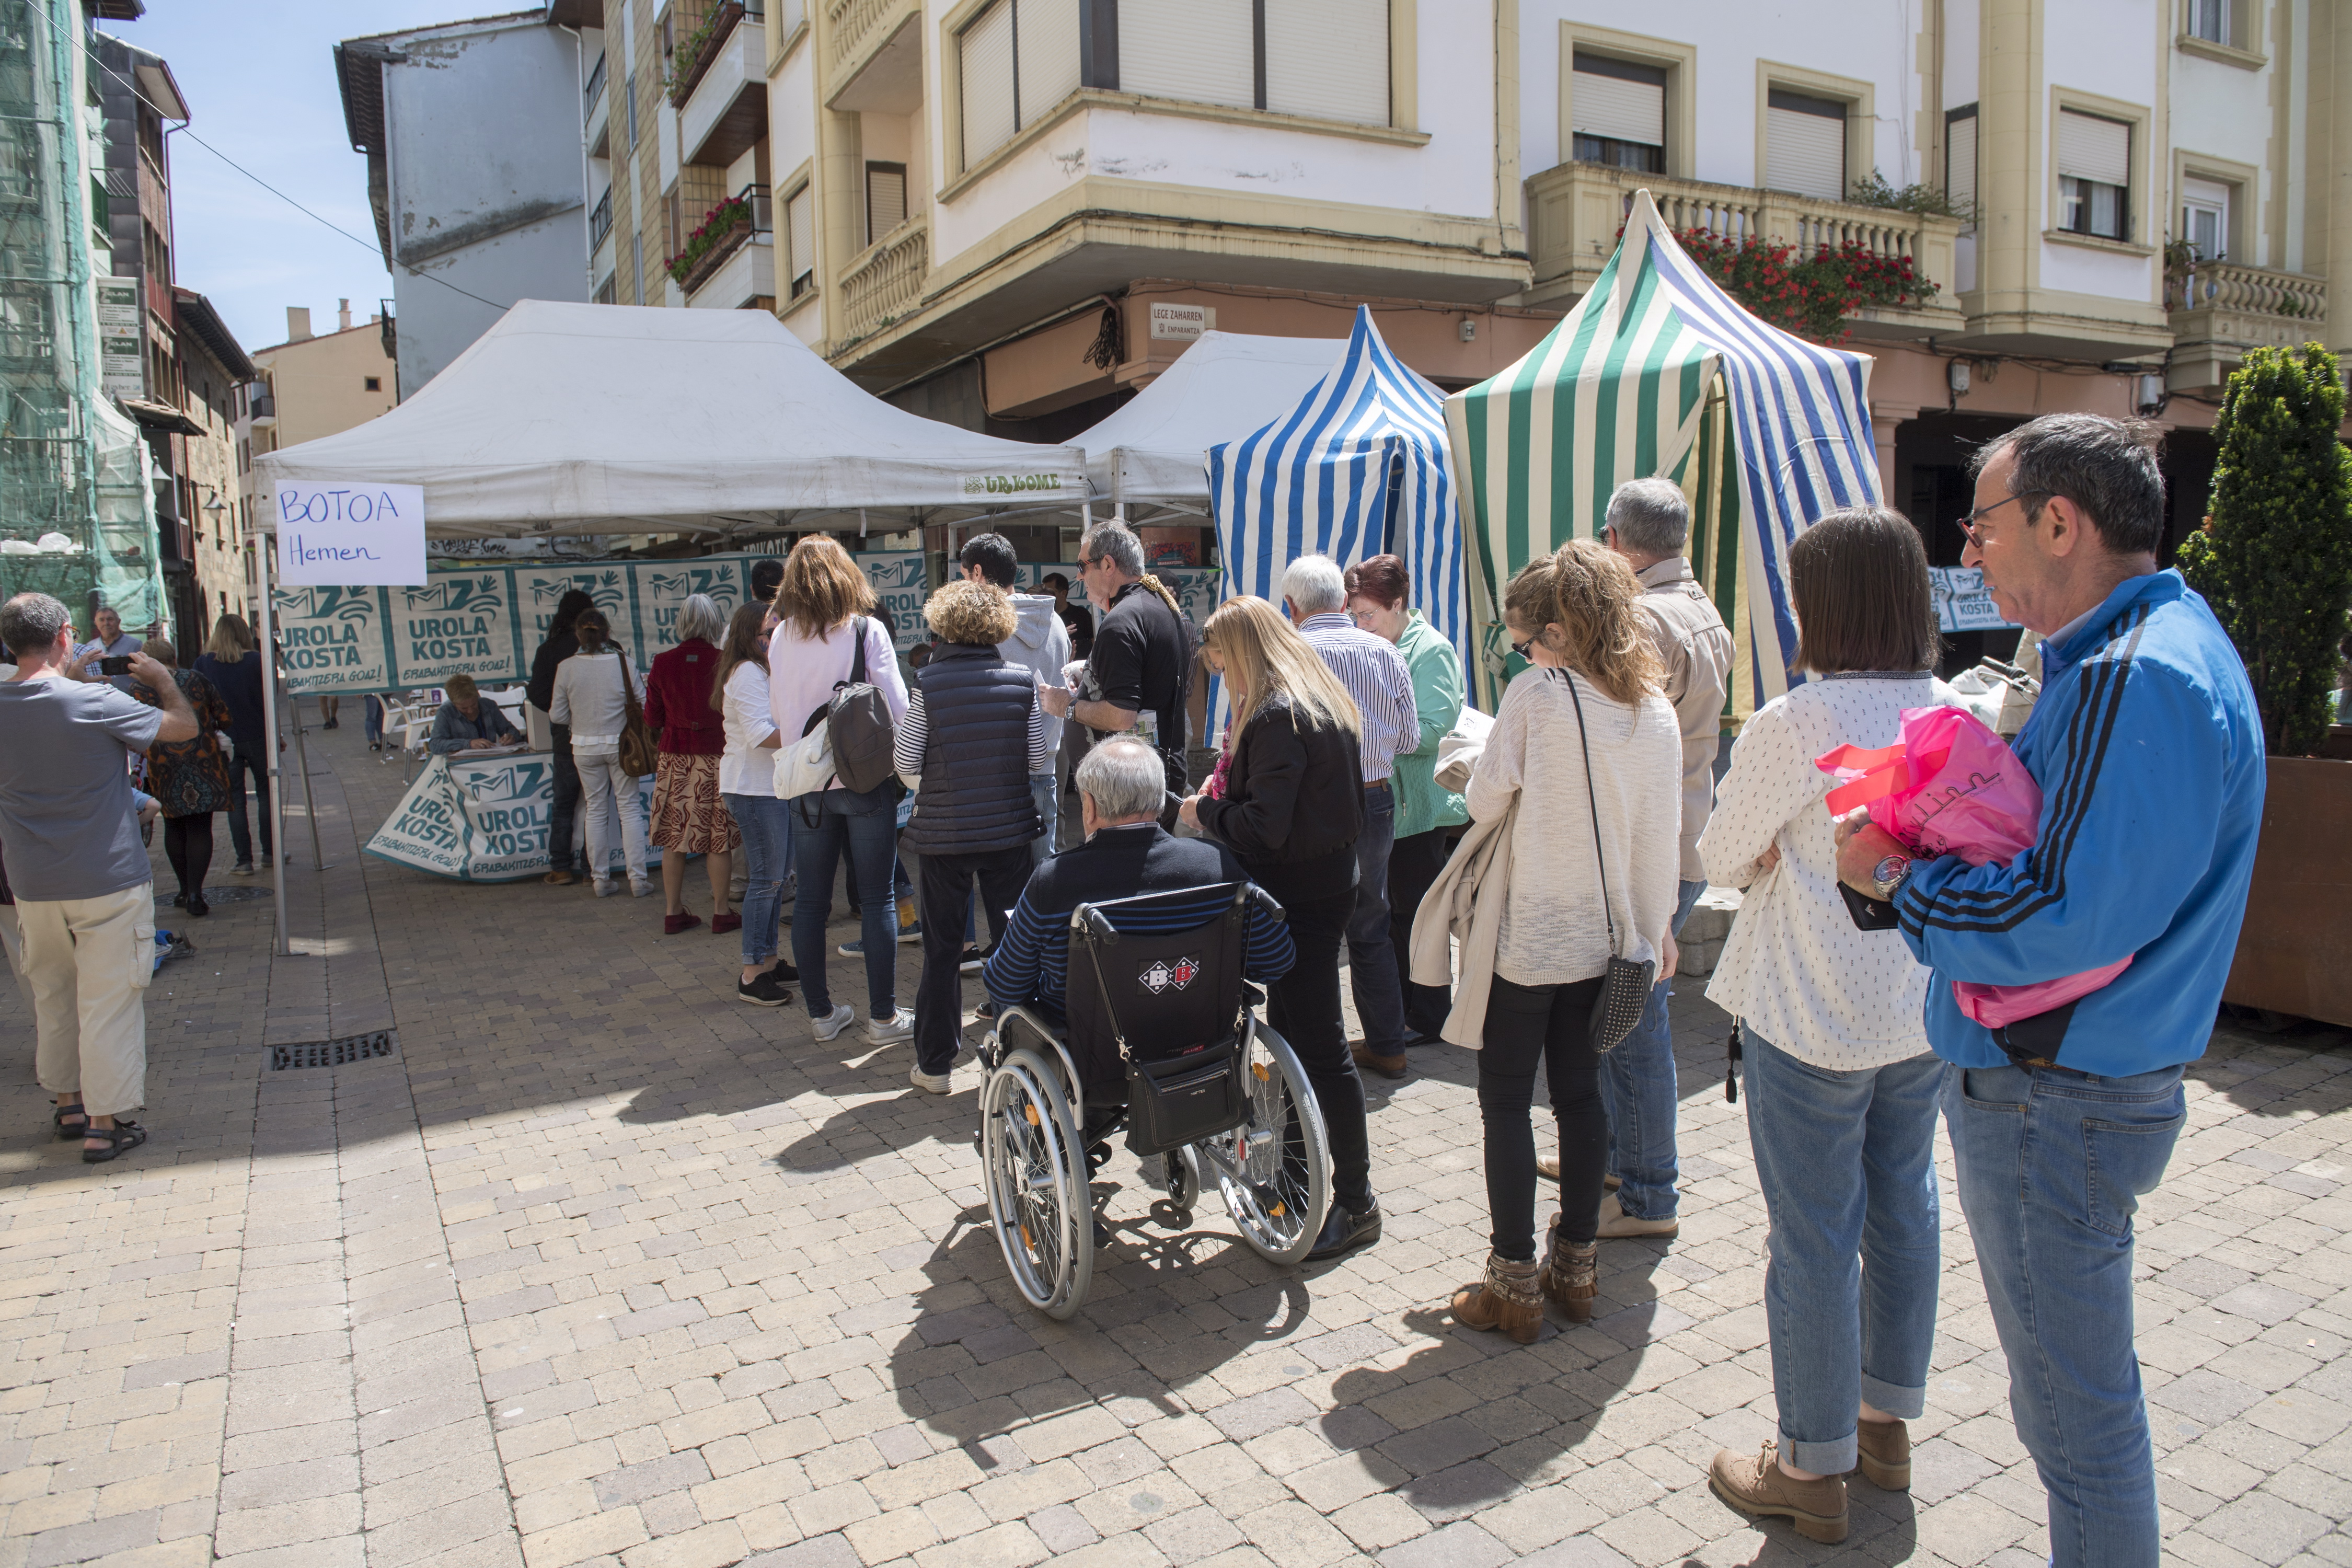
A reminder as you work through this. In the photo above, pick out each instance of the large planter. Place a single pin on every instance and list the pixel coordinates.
(711, 260)
(2295, 952)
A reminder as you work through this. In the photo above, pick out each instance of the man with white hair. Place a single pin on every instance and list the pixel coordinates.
(1648, 522)
(1121, 784)
(1315, 596)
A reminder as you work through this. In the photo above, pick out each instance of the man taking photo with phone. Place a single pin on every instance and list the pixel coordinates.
(85, 890)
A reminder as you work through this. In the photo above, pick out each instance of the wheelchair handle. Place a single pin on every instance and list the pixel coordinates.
(1267, 902)
(1089, 921)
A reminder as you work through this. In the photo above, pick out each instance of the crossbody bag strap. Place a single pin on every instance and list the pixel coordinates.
(1102, 989)
(636, 715)
(858, 654)
(1593, 800)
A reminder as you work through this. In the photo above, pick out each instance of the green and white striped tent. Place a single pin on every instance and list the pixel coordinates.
(1658, 371)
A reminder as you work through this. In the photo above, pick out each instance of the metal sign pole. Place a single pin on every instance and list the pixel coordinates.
(302, 761)
(271, 770)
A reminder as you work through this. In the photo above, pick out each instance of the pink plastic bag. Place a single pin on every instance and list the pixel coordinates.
(1952, 787)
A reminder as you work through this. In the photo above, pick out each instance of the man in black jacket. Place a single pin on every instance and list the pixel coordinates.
(560, 645)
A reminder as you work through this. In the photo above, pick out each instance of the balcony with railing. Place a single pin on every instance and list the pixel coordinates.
(721, 88)
(856, 28)
(715, 250)
(594, 92)
(886, 282)
(1575, 211)
(2219, 309)
(596, 113)
(600, 221)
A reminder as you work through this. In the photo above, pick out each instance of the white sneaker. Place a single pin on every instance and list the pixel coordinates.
(899, 1027)
(829, 1029)
(929, 1082)
(641, 887)
(604, 887)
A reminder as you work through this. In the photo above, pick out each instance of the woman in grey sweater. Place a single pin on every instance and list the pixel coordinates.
(591, 697)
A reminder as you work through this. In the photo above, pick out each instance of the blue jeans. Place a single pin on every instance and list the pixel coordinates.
(865, 825)
(767, 826)
(1638, 1090)
(1372, 956)
(374, 719)
(1847, 1162)
(1045, 790)
(2052, 1168)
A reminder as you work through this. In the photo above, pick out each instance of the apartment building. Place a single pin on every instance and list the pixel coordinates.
(311, 385)
(196, 502)
(477, 168)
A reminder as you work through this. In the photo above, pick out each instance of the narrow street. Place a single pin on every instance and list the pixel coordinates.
(596, 1266)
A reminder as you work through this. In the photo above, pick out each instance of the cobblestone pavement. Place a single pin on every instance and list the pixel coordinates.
(604, 1267)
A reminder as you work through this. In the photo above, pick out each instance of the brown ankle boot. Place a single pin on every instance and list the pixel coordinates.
(1567, 1275)
(1505, 1300)
(1882, 1452)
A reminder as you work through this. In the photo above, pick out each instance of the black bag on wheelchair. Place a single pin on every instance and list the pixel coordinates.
(1168, 1002)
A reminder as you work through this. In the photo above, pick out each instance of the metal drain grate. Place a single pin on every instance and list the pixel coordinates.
(333, 1053)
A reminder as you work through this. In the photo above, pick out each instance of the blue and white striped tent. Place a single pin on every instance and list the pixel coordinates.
(1357, 467)
(1658, 371)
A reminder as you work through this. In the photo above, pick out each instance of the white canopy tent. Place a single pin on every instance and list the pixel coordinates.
(1154, 450)
(567, 418)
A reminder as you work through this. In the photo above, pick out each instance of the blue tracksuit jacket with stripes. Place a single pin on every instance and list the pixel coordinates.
(2148, 750)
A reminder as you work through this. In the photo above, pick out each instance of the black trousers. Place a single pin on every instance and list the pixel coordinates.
(1303, 1006)
(240, 762)
(188, 845)
(946, 896)
(1414, 864)
(1527, 1026)
(566, 808)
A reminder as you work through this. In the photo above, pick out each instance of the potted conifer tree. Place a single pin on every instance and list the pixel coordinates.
(2274, 561)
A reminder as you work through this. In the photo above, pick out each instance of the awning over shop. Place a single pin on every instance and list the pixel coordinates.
(570, 418)
(1657, 370)
(1152, 450)
(1355, 467)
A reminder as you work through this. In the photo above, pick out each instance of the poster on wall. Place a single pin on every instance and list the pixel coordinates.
(334, 638)
(459, 623)
(538, 589)
(486, 821)
(659, 589)
(900, 586)
(1963, 603)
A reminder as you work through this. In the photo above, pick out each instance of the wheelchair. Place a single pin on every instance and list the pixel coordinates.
(1163, 1040)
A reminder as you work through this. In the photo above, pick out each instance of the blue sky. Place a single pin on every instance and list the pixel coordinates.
(259, 78)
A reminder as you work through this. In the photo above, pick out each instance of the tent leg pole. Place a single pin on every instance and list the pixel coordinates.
(276, 776)
(302, 761)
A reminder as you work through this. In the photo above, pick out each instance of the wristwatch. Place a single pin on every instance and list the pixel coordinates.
(1888, 875)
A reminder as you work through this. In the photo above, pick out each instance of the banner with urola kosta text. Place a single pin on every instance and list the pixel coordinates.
(484, 620)
(487, 821)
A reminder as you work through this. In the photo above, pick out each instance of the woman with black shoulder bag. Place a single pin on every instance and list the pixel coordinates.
(1581, 779)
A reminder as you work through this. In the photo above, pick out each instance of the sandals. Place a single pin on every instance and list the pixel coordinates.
(120, 1138)
(58, 1118)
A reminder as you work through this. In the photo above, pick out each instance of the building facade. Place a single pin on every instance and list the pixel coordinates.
(309, 386)
(477, 170)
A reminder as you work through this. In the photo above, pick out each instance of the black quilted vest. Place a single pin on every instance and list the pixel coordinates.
(975, 795)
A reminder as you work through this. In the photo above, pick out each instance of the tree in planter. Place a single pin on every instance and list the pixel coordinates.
(2274, 557)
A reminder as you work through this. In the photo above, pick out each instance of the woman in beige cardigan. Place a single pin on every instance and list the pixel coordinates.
(1589, 708)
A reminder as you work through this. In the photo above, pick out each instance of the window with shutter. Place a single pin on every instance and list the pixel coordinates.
(799, 237)
(1046, 37)
(991, 115)
(1804, 144)
(886, 199)
(2094, 175)
(1960, 158)
(1204, 51)
(1619, 112)
(1328, 58)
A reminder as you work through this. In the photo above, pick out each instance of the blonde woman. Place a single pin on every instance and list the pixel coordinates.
(826, 611)
(1292, 809)
(1582, 740)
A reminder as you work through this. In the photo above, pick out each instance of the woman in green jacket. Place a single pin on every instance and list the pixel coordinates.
(1428, 818)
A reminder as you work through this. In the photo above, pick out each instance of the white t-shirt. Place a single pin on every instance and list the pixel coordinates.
(1795, 966)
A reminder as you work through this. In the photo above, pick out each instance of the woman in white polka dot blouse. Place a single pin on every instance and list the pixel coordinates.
(1841, 1087)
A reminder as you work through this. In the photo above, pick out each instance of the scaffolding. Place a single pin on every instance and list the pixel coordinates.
(77, 506)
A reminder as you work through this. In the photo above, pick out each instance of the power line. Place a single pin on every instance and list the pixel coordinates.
(182, 129)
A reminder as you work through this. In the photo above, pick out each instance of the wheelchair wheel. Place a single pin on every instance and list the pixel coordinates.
(1034, 1169)
(1275, 1172)
(1183, 1168)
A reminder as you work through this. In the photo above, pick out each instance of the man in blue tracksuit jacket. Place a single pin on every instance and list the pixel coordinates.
(2148, 750)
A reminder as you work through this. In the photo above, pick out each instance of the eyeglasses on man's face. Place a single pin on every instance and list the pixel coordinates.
(1973, 522)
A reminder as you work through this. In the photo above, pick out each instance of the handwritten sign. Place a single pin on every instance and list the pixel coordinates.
(351, 534)
(1963, 603)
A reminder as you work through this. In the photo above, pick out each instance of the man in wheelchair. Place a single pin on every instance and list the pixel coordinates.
(1121, 787)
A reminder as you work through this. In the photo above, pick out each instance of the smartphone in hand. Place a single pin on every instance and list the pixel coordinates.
(120, 666)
